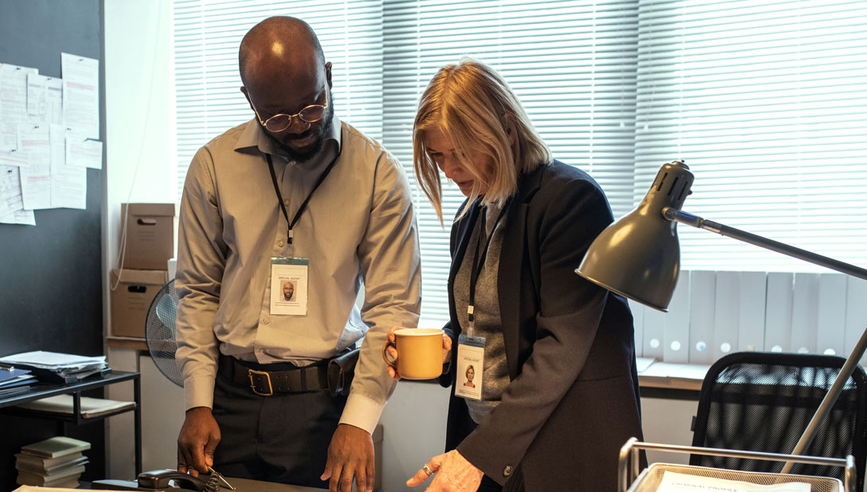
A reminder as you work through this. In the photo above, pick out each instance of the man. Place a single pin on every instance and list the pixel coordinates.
(288, 290)
(293, 192)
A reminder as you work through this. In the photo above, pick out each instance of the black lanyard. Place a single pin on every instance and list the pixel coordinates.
(304, 204)
(479, 261)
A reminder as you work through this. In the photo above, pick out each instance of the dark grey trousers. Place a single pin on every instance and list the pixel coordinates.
(281, 438)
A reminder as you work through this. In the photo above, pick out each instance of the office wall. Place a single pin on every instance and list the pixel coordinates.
(141, 168)
(51, 274)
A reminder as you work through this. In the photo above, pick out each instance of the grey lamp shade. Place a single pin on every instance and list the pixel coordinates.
(639, 255)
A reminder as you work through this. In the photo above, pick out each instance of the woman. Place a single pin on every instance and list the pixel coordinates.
(559, 389)
(470, 374)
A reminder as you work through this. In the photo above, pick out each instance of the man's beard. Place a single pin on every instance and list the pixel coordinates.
(314, 148)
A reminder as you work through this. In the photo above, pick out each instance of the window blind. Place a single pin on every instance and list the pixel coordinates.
(572, 65)
(207, 35)
(765, 101)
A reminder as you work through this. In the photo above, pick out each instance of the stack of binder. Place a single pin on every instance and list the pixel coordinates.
(53, 367)
(14, 380)
(56, 462)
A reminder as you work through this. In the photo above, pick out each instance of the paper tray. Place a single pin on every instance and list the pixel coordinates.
(650, 478)
(630, 480)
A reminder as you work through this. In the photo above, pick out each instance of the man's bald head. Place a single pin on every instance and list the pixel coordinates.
(279, 47)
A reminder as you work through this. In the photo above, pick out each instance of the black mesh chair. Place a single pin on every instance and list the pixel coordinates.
(760, 401)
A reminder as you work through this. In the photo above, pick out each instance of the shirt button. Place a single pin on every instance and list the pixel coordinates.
(266, 320)
(507, 470)
(280, 243)
(286, 202)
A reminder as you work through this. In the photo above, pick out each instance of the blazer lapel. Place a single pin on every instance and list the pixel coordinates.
(513, 280)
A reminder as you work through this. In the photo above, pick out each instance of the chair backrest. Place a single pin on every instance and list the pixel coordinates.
(762, 401)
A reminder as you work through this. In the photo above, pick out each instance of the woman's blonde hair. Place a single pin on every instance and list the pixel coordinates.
(476, 109)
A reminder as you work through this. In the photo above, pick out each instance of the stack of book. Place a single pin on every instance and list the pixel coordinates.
(55, 462)
(55, 367)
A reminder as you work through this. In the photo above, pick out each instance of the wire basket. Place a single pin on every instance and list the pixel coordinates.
(629, 480)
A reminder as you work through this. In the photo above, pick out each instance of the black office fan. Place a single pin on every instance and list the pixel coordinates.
(160, 332)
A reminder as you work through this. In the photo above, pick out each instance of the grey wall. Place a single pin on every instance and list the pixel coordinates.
(51, 274)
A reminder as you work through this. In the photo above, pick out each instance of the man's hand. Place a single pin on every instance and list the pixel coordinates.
(197, 441)
(350, 454)
(453, 473)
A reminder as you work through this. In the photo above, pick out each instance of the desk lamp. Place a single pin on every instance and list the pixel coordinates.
(638, 257)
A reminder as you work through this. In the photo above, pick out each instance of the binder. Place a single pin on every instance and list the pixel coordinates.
(778, 316)
(701, 317)
(654, 334)
(676, 347)
(638, 325)
(805, 313)
(751, 316)
(831, 315)
(856, 313)
(726, 313)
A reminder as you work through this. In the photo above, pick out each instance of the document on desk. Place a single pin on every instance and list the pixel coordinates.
(681, 482)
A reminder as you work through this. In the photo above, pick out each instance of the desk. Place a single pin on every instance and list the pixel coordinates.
(670, 381)
(44, 390)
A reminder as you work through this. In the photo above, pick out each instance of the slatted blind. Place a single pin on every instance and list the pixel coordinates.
(571, 63)
(764, 100)
(207, 35)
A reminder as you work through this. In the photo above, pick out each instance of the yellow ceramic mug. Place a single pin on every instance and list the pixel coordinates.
(420, 353)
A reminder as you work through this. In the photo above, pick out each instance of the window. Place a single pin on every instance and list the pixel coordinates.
(763, 100)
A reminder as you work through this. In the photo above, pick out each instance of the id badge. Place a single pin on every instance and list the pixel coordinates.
(471, 367)
(289, 285)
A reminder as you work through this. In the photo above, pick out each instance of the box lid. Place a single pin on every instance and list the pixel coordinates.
(152, 277)
(153, 209)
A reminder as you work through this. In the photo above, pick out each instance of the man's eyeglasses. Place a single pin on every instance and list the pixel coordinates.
(282, 121)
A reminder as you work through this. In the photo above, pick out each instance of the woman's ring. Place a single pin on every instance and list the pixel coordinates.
(427, 470)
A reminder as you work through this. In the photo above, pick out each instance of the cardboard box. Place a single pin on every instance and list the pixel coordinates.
(150, 235)
(132, 298)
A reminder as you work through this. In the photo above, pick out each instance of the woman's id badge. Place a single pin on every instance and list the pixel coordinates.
(289, 285)
(471, 367)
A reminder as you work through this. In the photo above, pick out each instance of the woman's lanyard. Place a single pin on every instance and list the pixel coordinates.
(479, 263)
(304, 204)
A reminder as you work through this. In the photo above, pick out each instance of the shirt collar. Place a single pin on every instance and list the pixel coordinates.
(253, 138)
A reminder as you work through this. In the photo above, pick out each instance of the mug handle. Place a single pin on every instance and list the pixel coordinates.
(388, 361)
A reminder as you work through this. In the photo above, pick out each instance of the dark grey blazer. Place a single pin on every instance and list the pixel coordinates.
(573, 400)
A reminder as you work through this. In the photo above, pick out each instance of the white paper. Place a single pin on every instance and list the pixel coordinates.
(36, 178)
(80, 94)
(13, 93)
(682, 482)
(44, 99)
(82, 151)
(51, 360)
(68, 183)
(9, 155)
(10, 190)
(20, 217)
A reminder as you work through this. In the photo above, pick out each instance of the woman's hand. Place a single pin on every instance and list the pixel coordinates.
(453, 473)
(392, 350)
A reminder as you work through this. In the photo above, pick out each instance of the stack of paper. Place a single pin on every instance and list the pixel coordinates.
(14, 380)
(57, 367)
(90, 407)
(55, 462)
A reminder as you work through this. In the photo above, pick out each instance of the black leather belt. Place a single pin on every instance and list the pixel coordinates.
(266, 383)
